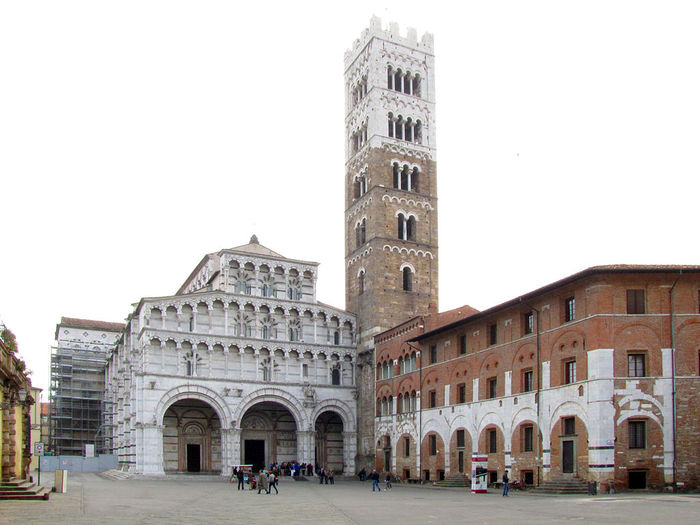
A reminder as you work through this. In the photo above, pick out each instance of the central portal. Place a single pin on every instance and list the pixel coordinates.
(268, 435)
(255, 453)
(193, 457)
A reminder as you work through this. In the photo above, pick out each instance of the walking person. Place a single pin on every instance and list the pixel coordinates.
(331, 476)
(506, 487)
(374, 476)
(240, 476)
(272, 480)
(387, 479)
(321, 475)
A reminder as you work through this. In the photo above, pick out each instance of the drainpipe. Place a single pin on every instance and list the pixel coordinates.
(673, 378)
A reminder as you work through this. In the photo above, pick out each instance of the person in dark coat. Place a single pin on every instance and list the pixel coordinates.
(240, 476)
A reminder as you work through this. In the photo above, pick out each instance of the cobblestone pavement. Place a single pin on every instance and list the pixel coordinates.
(96, 499)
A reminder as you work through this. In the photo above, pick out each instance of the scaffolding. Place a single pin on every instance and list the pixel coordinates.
(77, 400)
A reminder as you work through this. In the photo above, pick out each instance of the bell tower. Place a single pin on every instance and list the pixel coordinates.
(391, 235)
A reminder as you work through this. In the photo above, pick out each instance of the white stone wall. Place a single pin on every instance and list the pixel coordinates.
(161, 362)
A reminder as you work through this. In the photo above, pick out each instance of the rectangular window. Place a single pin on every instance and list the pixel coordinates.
(569, 426)
(305, 371)
(492, 442)
(407, 446)
(637, 431)
(528, 323)
(460, 439)
(636, 365)
(432, 399)
(432, 440)
(570, 372)
(433, 354)
(569, 309)
(527, 381)
(492, 388)
(462, 344)
(635, 301)
(461, 393)
(527, 438)
(493, 334)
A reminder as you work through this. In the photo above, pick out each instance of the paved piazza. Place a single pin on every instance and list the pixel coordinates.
(181, 499)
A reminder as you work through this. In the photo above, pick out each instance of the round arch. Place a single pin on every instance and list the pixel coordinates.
(275, 395)
(193, 392)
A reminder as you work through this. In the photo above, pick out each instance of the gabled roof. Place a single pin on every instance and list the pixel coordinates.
(255, 248)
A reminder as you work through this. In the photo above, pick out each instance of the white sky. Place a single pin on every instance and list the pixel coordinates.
(136, 136)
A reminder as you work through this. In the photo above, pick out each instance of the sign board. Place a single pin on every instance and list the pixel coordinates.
(89, 450)
(480, 474)
(38, 448)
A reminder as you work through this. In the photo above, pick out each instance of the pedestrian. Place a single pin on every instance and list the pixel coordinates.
(331, 476)
(374, 476)
(363, 474)
(262, 482)
(387, 479)
(240, 476)
(272, 480)
(321, 475)
(506, 487)
(325, 477)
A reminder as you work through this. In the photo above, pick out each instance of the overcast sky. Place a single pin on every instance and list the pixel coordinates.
(137, 136)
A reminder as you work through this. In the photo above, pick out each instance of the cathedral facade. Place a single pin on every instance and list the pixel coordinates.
(241, 366)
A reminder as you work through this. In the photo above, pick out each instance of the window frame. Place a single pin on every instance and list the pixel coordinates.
(633, 368)
(528, 323)
(460, 438)
(636, 303)
(493, 334)
(461, 393)
(432, 399)
(463, 344)
(492, 388)
(528, 383)
(639, 441)
(432, 354)
(493, 441)
(569, 371)
(432, 444)
(570, 309)
(528, 432)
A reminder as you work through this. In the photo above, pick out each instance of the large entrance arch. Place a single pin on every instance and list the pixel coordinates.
(268, 435)
(191, 437)
(329, 441)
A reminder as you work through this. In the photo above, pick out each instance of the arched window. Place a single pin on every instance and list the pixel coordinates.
(390, 123)
(405, 183)
(407, 279)
(401, 227)
(363, 231)
(398, 131)
(414, 179)
(418, 132)
(361, 282)
(396, 174)
(336, 337)
(411, 229)
(335, 376)
(416, 86)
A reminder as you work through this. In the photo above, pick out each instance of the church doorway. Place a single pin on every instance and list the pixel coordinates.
(329, 441)
(268, 435)
(191, 437)
(193, 457)
(254, 453)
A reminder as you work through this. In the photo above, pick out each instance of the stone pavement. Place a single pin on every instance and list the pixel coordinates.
(94, 499)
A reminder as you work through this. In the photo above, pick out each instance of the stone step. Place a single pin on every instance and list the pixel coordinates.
(24, 490)
(562, 486)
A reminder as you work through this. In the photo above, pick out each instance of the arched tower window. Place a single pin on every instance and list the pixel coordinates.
(361, 282)
(401, 226)
(411, 229)
(396, 175)
(407, 279)
(335, 376)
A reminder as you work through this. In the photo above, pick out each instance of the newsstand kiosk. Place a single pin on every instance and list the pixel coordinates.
(479, 474)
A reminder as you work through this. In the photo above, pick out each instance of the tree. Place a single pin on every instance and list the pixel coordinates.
(9, 339)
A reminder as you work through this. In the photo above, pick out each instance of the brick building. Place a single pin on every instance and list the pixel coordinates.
(575, 378)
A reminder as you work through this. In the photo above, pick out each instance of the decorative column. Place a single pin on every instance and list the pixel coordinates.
(234, 439)
(306, 441)
(350, 451)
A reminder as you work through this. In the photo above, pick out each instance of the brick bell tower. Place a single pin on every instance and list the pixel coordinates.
(391, 235)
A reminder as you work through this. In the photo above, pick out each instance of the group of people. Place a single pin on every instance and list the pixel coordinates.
(325, 476)
(292, 468)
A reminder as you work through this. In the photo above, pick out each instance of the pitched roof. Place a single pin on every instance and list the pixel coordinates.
(255, 248)
(593, 270)
(72, 322)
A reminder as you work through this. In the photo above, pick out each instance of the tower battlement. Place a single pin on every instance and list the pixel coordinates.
(393, 34)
